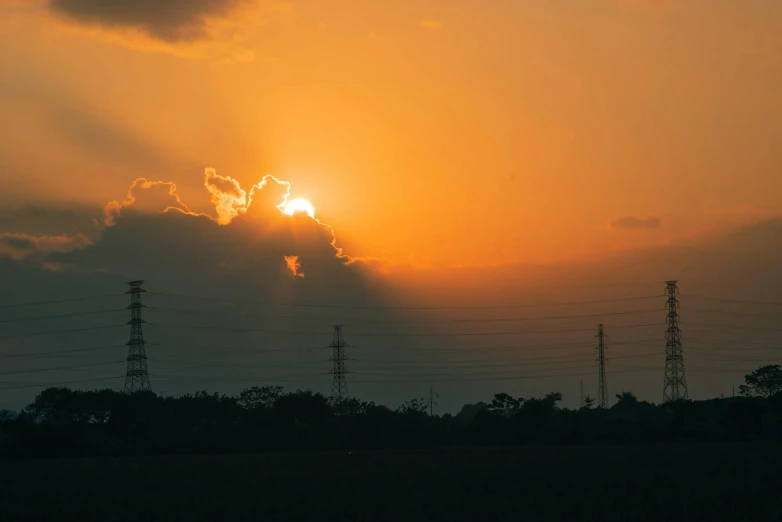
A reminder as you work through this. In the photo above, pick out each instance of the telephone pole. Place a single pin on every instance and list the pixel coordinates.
(602, 385)
(432, 403)
(136, 378)
(339, 389)
(675, 381)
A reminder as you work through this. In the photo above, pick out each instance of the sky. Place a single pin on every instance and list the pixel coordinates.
(460, 153)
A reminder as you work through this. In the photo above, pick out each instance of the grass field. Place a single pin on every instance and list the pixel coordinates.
(710, 482)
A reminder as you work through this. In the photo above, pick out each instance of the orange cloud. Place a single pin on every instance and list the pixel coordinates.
(146, 196)
(227, 195)
(269, 193)
(293, 265)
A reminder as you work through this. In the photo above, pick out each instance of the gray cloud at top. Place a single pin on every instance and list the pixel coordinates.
(168, 20)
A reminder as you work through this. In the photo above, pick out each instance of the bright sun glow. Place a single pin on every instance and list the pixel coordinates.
(299, 205)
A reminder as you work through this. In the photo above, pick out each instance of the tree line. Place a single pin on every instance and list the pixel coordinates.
(63, 422)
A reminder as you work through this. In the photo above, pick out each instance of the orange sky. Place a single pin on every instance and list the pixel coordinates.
(447, 132)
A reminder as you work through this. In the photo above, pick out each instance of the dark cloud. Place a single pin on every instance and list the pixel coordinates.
(630, 222)
(17, 242)
(168, 20)
(23, 246)
(50, 219)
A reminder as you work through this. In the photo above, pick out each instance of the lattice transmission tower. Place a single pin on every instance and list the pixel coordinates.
(136, 378)
(602, 384)
(339, 389)
(675, 382)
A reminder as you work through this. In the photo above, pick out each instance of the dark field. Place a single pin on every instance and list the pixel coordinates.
(710, 482)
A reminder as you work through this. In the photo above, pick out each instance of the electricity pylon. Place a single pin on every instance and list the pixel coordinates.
(339, 389)
(136, 378)
(675, 387)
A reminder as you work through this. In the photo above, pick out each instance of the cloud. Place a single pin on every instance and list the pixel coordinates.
(250, 235)
(294, 265)
(167, 20)
(432, 25)
(630, 222)
(25, 246)
(49, 219)
(268, 197)
(213, 30)
(227, 195)
(146, 196)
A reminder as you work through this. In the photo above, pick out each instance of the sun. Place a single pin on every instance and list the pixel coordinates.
(299, 205)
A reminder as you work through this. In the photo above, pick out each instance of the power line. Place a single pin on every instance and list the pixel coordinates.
(41, 317)
(40, 385)
(447, 321)
(14, 372)
(69, 300)
(388, 365)
(725, 300)
(396, 334)
(719, 312)
(58, 352)
(505, 361)
(468, 334)
(735, 343)
(413, 350)
(732, 327)
(425, 380)
(387, 381)
(366, 307)
(54, 332)
(515, 348)
(281, 380)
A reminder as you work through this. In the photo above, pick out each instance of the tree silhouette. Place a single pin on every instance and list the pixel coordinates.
(625, 399)
(413, 406)
(505, 404)
(763, 382)
(259, 396)
(588, 402)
